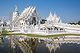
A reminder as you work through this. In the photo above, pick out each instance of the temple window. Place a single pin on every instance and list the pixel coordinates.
(55, 28)
(22, 24)
(61, 29)
(51, 28)
(41, 29)
(48, 28)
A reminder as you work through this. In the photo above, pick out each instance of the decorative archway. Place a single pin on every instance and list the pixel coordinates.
(34, 20)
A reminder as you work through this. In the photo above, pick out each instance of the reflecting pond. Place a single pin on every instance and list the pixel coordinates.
(13, 44)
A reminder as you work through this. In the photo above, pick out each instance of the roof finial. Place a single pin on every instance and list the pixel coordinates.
(16, 9)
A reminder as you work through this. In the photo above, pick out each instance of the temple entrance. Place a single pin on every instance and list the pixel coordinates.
(34, 20)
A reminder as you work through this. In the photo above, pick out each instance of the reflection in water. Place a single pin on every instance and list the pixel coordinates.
(20, 44)
(33, 43)
(5, 46)
(49, 47)
(53, 47)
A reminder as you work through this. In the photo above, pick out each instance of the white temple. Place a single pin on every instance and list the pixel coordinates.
(29, 22)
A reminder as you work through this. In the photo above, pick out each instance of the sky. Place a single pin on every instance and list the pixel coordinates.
(68, 10)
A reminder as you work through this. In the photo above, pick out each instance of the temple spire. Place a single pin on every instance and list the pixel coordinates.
(55, 14)
(50, 15)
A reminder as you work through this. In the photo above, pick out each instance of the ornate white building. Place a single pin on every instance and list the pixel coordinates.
(29, 22)
(53, 18)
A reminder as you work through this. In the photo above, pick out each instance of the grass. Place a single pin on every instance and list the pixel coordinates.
(35, 35)
(5, 32)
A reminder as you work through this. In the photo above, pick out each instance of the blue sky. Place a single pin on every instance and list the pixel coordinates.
(68, 10)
